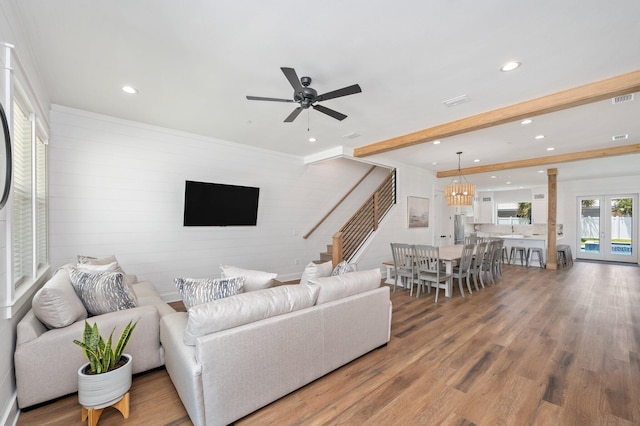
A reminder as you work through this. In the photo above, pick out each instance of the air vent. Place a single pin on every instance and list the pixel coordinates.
(456, 101)
(538, 196)
(351, 135)
(623, 98)
(619, 137)
(486, 199)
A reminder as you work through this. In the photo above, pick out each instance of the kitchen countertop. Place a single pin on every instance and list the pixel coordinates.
(523, 237)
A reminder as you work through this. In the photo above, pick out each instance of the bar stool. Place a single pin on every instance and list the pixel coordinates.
(564, 256)
(515, 251)
(537, 251)
(504, 255)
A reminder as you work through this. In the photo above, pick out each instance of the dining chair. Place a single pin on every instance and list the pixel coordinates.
(429, 269)
(486, 268)
(462, 270)
(496, 258)
(403, 264)
(476, 267)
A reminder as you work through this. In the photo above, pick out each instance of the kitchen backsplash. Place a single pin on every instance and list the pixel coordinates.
(491, 229)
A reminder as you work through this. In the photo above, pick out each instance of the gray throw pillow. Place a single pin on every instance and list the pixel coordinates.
(195, 291)
(101, 292)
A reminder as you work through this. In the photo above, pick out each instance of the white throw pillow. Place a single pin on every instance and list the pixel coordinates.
(316, 270)
(246, 308)
(56, 304)
(101, 292)
(253, 280)
(195, 291)
(344, 285)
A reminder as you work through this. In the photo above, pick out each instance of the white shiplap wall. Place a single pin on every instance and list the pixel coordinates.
(117, 187)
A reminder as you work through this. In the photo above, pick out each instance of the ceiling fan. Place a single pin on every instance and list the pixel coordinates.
(307, 96)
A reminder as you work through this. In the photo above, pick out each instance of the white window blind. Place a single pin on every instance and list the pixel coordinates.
(41, 204)
(22, 196)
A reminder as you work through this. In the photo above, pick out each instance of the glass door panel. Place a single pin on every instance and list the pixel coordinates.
(607, 228)
(589, 227)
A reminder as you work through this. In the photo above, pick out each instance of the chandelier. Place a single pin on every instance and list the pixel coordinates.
(460, 192)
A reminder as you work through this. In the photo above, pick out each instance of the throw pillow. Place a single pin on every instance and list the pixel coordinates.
(246, 308)
(195, 291)
(342, 268)
(253, 280)
(56, 304)
(316, 270)
(89, 262)
(101, 292)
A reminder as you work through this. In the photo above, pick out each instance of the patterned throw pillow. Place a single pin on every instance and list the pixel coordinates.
(195, 291)
(101, 292)
(342, 268)
(87, 263)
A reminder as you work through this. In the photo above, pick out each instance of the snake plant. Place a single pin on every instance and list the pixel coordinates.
(101, 355)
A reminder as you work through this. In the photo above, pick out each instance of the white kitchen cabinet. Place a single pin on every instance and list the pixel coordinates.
(539, 208)
(484, 210)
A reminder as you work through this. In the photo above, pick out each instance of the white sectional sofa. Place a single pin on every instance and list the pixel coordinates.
(232, 356)
(47, 360)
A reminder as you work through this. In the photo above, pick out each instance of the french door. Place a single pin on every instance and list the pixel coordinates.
(607, 228)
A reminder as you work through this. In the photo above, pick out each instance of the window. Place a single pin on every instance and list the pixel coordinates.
(29, 218)
(514, 213)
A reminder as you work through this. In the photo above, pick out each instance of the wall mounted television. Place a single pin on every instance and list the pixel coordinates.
(215, 204)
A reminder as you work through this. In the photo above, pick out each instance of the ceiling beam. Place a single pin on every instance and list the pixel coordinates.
(543, 161)
(581, 95)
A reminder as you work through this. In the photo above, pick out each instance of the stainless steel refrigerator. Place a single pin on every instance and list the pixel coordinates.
(458, 228)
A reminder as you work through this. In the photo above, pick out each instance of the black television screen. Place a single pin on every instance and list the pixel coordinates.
(215, 204)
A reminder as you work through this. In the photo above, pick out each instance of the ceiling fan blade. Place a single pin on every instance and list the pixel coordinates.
(291, 75)
(335, 114)
(293, 115)
(350, 90)
(260, 98)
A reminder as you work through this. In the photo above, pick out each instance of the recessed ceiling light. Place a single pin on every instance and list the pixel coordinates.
(510, 66)
(540, 171)
(540, 137)
(436, 142)
(477, 160)
(494, 176)
(312, 139)
(434, 164)
(527, 121)
(508, 183)
(129, 90)
(550, 148)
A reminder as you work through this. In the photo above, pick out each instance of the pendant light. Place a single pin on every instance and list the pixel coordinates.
(460, 192)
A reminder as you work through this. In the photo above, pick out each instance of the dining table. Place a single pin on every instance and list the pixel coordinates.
(450, 256)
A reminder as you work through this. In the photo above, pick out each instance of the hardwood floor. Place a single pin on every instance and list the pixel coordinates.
(541, 347)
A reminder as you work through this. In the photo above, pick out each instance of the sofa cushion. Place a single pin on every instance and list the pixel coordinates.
(101, 292)
(343, 268)
(195, 291)
(344, 285)
(87, 262)
(253, 280)
(246, 308)
(56, 304)
(316, 270)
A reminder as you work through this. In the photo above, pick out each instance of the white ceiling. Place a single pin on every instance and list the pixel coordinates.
(194, 62)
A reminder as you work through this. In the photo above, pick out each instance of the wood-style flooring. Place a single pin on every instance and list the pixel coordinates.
(540, 347)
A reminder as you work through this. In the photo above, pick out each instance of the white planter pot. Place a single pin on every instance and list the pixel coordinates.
(103, 390)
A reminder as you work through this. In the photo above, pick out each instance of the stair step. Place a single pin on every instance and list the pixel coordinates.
(325, 257)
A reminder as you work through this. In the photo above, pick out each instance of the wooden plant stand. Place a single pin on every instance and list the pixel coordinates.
(93, 414)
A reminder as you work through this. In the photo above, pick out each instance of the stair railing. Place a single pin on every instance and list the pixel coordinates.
(348, 240)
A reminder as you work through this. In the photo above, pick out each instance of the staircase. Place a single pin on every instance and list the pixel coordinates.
(355, 232)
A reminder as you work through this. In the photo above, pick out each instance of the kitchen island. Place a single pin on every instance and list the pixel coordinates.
(525, 241)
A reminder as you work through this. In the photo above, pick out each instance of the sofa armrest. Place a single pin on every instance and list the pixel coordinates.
(55, 352)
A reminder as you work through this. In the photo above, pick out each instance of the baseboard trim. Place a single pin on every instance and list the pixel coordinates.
(11, 412)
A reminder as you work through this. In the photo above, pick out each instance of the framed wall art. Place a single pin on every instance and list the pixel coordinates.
(418, 212)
